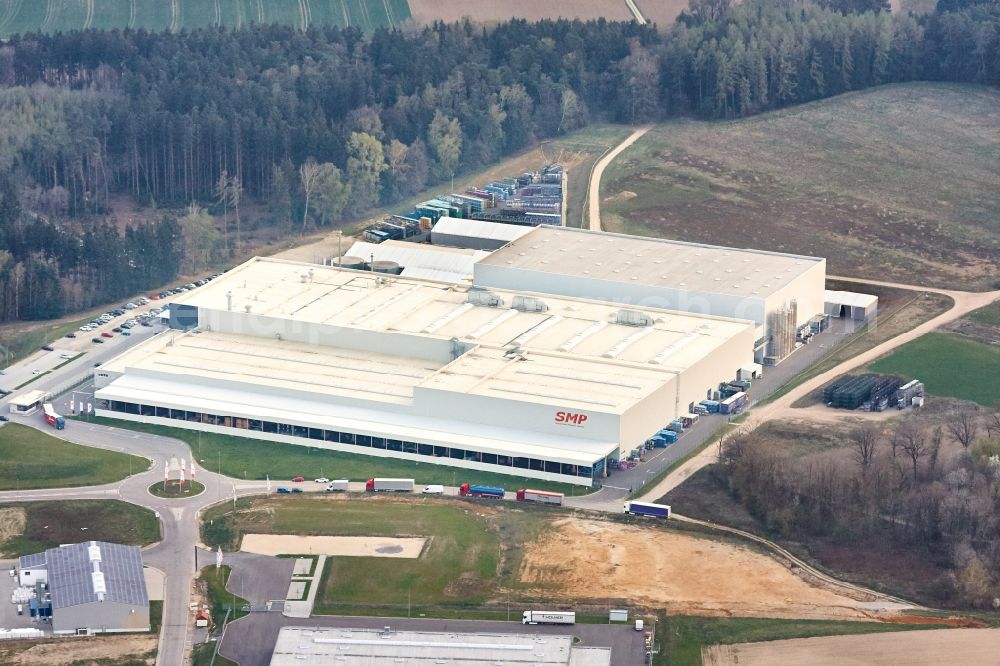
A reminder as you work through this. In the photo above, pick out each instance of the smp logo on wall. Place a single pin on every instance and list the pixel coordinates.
(571, 419)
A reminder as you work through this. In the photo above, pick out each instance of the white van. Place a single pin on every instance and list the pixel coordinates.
(434, 490)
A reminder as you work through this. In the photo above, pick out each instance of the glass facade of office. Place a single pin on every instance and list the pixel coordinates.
(355, 439)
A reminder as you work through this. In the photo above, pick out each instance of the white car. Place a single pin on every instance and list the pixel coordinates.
(36, 372)
(322, 479)
(65, 355)
(434, 490)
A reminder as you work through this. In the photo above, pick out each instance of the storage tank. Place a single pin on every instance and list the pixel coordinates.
(388, 267)
(355, 263)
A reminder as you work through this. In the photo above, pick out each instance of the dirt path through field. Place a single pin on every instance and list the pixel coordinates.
(594, 188)
(913, 648)
(591, 559)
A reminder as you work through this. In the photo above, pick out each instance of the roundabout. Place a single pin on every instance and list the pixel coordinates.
(174, 490)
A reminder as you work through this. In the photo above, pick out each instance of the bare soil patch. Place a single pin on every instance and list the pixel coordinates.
(916, 648)
(590, 559)
(12, 522)
(662, 12)
(130, 648)
(489, 11)
(336, 546)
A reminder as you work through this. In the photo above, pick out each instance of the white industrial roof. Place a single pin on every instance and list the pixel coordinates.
(420, 260)
(454, 226)
(301, 646)
(850, 298)
(261, 402)
(576, 353)
(652, 261)
(29, 398)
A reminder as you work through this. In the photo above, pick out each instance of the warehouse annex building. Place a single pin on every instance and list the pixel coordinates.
(90, 587)
(514, 382)
(779, 292)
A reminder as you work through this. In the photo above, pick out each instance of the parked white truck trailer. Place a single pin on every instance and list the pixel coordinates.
(389, 485)
(548, 617)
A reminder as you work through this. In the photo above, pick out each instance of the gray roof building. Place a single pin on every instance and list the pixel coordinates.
(94, 586)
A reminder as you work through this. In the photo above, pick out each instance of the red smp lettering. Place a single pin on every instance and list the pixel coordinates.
(571, 418)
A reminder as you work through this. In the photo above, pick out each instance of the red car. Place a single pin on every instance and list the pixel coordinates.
(298, 479)
(105, 334)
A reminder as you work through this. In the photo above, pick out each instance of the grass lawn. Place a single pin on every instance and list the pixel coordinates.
(240, 457)
(989, 315)
(462, 564)
(30, 458)
(173, 489)
(219, 598)
(887, 183)
(948, 366)
(35, 526)
(681, 638)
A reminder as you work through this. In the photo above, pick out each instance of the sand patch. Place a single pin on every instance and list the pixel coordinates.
(942, 646)
(603, 560)
(132, 648)
(336, 546)
(12, 522)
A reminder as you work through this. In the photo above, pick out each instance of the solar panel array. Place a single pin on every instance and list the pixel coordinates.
(73, 572)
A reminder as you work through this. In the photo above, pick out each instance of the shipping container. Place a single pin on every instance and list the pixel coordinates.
(540, 496)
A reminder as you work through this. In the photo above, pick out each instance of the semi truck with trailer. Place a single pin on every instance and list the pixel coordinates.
(548, 617)
(647, 509)
(52, 418)
(389, 485)
(540, 496)
(467, 490)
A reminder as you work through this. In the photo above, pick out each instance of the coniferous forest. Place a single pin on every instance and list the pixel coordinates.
(316, 126)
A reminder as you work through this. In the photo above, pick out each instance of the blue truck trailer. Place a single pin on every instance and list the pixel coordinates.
(647, 509)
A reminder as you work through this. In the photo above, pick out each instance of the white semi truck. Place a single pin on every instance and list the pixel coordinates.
(548, 617)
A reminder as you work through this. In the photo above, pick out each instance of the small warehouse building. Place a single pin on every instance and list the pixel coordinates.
(779, 292)
(90, 587)
(850, 305)
(542, 387)
(475, 234)
(27, 403)
(319, 646)
(419, 260)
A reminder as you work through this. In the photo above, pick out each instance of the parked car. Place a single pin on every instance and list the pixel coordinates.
(97, 340)
(147, 323)
(3, 418)
(155, 297)
(71, 334)
(107, 334)
(296, 490)
(48, 348)
(37, 372)
(117, 329)
(65, 355)
(126, 333)
(283, 490)
(322, 479)
(298, 479)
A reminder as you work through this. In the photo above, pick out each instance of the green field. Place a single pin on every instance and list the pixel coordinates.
(989, 315)
(255, 459)
(895, 183)
(948, 366)
(682, 638)
(30, 458)
(19, 16)
(34, 526)
(460, 566)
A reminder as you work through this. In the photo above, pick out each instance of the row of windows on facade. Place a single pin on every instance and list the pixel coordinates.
(430, 450)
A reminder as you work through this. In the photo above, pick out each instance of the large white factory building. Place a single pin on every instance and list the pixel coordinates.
(501, 379)
(779, 292)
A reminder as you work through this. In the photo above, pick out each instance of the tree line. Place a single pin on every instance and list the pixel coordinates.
(313, 126)
(930, 487)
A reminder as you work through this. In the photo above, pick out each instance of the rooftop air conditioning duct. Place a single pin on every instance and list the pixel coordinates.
(633, 318)
(529, 304)
(485, 298)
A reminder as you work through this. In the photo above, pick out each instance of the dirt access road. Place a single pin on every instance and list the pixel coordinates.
(914, 648)
(594, 188)
(594, 559)
(964, 303)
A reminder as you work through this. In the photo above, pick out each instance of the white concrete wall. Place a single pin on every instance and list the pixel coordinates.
(528, 416)
(350, 448)
(101, 617)
(808, 290)
(28, 577)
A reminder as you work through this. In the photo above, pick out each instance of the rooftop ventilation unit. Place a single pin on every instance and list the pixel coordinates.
(94, 552)
(633, 318)
(485, 298)
(529, 304)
